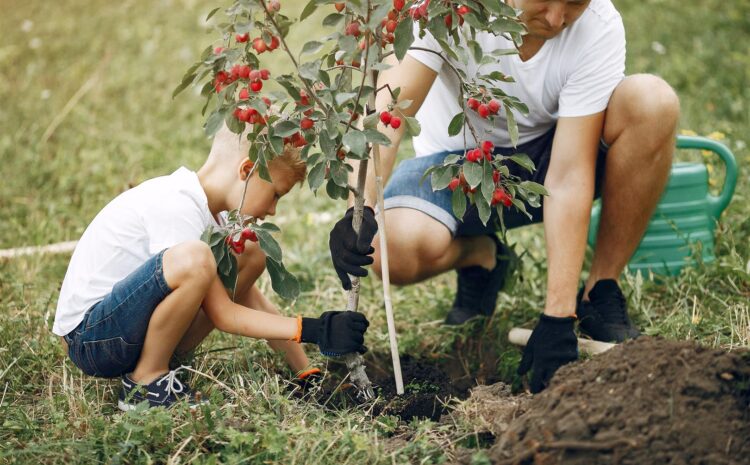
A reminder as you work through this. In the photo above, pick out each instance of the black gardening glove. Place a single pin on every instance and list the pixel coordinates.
(552, 344)
(349, 251)
(336, 333)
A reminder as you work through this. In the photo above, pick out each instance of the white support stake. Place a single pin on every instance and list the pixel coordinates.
(520, 337)
(386, 275)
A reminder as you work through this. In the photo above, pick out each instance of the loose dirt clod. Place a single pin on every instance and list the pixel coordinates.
(645, 401)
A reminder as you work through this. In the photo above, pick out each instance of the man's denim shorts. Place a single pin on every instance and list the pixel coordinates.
(405, 191)
(109, 340)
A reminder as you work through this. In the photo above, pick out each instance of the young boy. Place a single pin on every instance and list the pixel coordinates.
(141, 286)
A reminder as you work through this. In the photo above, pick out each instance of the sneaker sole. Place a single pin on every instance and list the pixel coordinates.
(125, 407)
(128, 407)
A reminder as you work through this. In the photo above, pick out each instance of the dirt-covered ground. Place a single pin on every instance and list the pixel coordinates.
(645, 401)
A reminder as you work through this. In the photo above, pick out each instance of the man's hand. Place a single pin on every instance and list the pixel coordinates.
(552, 344)
(350, 252)
(336, 333)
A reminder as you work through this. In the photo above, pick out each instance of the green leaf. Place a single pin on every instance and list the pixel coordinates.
(336, 192)
(228, 270)
(473, 173)
(412, 126)
(456, 124)
(211, 13)
(441, 177)
(534, 187)
(308, 10)
(404, 37)
(404, 104)
(371, 121)
(512, 127)
(376, 137)
(317, 175)
(214, 122)
(269, 245)
(344, 97)
(282, 281)
(381, 66)
(333, 20)
(234, 125)
(355, 141)
(266, 226)
(339, 173)
(312, 47)
(520, 206)
(484, 209)
(310, 70)
(476, 50)
(458, 200)
(186, 81)
(488, 184)
(285, 128)
(524, 161)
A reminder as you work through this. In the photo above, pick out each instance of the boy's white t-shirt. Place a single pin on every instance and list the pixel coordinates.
(135, 226)
(573, 74)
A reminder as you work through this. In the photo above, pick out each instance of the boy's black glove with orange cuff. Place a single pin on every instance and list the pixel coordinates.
(336, 333)
(552, 344)
(350, 252)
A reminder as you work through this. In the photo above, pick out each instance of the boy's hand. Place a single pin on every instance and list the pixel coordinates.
(350, 252)
(336, 333)
(552, 344)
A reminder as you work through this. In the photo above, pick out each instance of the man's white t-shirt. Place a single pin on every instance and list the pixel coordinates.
(132, 228)
(573, 74)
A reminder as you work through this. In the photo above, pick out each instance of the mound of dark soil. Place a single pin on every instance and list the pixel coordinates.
(645, 401)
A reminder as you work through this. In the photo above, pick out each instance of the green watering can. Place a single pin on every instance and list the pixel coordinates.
(686, 214)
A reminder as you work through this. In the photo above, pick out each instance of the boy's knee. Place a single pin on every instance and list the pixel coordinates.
(191, 260)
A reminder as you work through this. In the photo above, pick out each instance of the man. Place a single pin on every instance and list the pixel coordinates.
(590, 130)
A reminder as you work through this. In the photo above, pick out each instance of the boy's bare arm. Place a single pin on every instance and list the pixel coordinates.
(238, 319)
(293, 352)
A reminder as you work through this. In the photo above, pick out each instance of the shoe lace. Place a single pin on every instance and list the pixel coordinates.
(472, 282)
(174, 385)
(612, 307)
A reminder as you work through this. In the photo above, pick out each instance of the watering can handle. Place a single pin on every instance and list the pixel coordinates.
(716, 204)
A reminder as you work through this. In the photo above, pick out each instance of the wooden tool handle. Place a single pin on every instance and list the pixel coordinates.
(520, 337)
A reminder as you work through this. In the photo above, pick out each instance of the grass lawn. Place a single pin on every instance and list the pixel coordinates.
(87, 113)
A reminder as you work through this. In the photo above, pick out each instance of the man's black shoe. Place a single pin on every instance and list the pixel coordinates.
(478, 287)
(604, 317)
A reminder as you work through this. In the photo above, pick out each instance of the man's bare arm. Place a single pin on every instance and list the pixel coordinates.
(415, 80)
(567, 211)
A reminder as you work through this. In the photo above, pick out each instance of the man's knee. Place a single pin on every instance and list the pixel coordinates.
(190, 260)
(415, 242)
(646, 97)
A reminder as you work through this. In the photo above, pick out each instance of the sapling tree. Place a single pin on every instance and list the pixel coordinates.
(326, 107)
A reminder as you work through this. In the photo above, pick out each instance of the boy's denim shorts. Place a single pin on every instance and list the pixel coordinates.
(405, 191)
(109, 340)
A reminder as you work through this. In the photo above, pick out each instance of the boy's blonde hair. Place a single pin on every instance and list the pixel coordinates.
(230, 147)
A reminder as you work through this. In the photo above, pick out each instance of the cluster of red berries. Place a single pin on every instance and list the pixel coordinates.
(484, 109)
(296, 139)
(238, 246)
(484, 151)
(388, 119)
(500, 196)
(259, 45)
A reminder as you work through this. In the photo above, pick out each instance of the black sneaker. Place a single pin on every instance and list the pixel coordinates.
(604, 317)
(162, 392)
(477, 289)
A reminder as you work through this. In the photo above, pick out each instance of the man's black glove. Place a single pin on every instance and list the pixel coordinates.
(552, 344)
(350, 251)
(336, 333)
